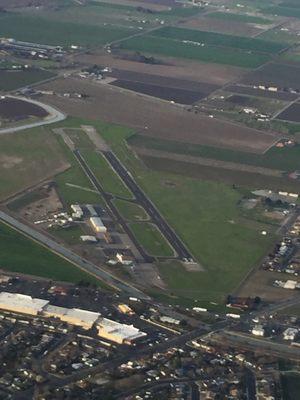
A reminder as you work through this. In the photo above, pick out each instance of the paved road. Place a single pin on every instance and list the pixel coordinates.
(281, 350)
(72, 257)
(54, 116)
(147, 204)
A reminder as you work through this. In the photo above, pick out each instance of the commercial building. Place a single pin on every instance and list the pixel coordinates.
(125, 309)
(290, 334)
(258, 330)
(21, 303)
(74, 316)
(169, 320)
(118, 333)
(98, 225)
(77, 211)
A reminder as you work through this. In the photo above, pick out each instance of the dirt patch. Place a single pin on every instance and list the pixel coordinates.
(223, 26)
(8, 162)
(260, 284)
(48, 203)
(155, 118)
(207, 162)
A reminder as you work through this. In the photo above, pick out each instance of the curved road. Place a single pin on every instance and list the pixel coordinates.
(54, 116)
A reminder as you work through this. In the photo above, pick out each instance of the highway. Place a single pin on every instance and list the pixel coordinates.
(147, 204)
(74, 258)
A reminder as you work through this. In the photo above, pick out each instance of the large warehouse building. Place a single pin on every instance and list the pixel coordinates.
(98, 225)
(73, 316)
(21, 303)
(119, 333)
(107, 329)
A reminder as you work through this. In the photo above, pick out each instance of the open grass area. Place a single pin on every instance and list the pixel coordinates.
(107, 177)
(282, 11)
(131, 211)
(219, 39)
(82, 191)
(12, 80)
(31, 28)
(151, 239)
(20, 254)
(175, 48)
(207, 218)
(286, 159)
(227, 16)
(26, 158)
(97, 13)
(69, 235)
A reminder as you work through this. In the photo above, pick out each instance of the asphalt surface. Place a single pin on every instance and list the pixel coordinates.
(147, 204)
(108, 198)
(72, 257)
(54, 116)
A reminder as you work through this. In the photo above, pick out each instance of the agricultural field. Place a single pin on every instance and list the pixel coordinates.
(291, 114)
(15, 109)
(245, 18)
(27, 158)
(99, 13)
(216, 39)
(285, 159)
(22, 255)
(31, 28)
(284, 11)
(210, 54)
(12, 80)
(275, 74)
(137, 112)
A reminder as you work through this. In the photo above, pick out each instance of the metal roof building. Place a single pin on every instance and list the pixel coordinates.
(21, 303)
(117, 332)
(73, 316)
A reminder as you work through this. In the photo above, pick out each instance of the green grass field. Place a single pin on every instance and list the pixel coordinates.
(20, 254)
(98, 13)
(131, 211)
(27, 158)
(207, 218)
(12, 80)
(210, 54)
(286, 159)
(282, 11)
(31, 28)
(107, 177)
(84, 193)
(219, 39)
(227, 16)
(151, 239)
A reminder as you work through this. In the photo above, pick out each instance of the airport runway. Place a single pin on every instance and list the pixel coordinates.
(146, 203)
(108, 198)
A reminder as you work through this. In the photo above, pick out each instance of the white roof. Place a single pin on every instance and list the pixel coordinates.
(96, 221)
(122, 330)
(81, 316)
(21, 301)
